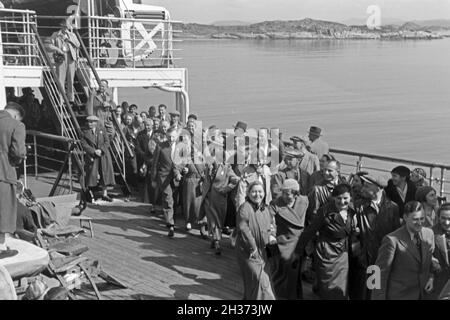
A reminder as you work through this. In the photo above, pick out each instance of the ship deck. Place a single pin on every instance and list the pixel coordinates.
(131, 244)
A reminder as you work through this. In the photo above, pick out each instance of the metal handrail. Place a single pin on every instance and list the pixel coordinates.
(113, 19)
(49, 136)
(97, 78)
(390, 159)
(58, 85)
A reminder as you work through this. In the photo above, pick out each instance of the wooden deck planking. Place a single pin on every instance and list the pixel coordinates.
(133, 246)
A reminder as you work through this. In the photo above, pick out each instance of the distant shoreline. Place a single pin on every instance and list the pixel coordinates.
(309, 29)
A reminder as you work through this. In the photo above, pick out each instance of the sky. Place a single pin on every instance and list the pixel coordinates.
(208, 11)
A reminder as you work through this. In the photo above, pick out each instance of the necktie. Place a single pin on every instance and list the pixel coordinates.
(418, 244)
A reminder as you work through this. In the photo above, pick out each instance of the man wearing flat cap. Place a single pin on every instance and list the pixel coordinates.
(99, 166)
(292, 171)
(12, 152)
(400, 188)
(309, 161)
(65, 47)
(318, 145)
(376, 217)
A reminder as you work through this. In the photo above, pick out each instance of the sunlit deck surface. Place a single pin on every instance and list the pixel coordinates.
(131, 244)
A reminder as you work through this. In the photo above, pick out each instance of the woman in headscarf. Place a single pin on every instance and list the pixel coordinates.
(428, 197)
(255, 232)
(289, 211)
(334, 222)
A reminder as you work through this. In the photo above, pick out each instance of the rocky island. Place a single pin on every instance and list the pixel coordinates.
(309, 29)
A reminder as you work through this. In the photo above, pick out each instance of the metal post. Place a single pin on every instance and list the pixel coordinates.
(70, 173)
(133, 46)
(442, 182)
(25, 172)
(431, 176)
(2, 82)
(35, 156)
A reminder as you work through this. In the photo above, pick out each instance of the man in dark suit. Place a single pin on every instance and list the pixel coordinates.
(12, 152)
(405, 259)
(164, 171)
(376, 217)
(400, 189)
(98, 160)
(142, 146)
(442, 251)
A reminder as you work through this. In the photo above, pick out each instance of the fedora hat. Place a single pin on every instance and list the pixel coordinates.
(241, 125)
(315, 131)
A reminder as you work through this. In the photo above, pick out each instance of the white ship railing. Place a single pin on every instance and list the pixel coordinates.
(438, 174)
(18, 43)
(125, 42)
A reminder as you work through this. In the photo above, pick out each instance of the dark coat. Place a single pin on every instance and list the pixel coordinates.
(319, 195)
(163, 168)
(372, 227)
(392, 193)
(12, 152)
(95, 164)
(441, 253)
(331, 251)
(12, 147)
(403, 276)
(143, 152)
(286, 275)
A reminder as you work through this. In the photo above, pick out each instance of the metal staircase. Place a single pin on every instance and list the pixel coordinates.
(88, 78)
(69, 124)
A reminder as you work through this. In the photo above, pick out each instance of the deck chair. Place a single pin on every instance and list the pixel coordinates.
(26, 266)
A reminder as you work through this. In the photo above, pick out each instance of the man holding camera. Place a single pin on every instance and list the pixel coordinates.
(65, 47)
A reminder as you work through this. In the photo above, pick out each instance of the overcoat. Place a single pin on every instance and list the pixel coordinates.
(218, 183)
(392, 193)
(97, 165)
(373, 225)
(331, 251)
(12, 152)
(253, 231)
(286, 275)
